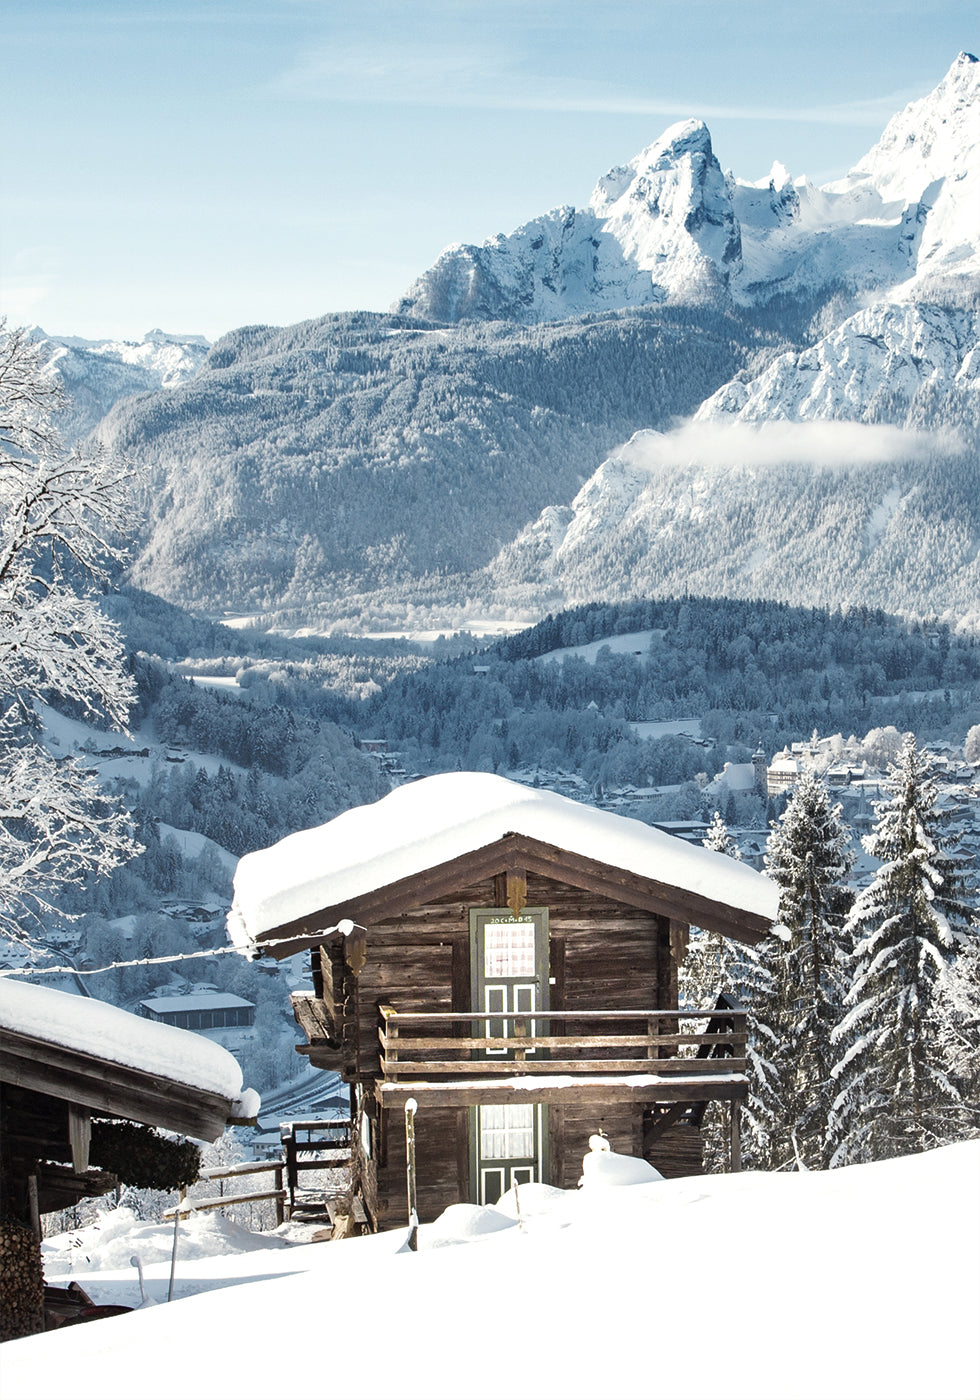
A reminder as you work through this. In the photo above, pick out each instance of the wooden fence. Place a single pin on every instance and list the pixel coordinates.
(422, 1045)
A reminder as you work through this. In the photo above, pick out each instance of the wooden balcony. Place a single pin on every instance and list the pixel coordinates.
(459, 1058)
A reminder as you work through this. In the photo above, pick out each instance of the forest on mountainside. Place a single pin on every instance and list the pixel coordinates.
(271, 481)
(748, 669)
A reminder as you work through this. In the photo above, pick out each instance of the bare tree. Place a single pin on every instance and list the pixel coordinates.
(62, 512)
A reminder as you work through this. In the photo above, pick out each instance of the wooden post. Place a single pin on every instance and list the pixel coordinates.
(413, 1215)
(173, 1252)
(736, 1137)
(32, 1204)
(79, 1136)
(391, 1042)
(280, 1199)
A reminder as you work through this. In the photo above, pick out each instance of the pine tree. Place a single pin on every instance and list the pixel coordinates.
(958, 1030)
(808, 858)
(715, 964)
(896, 1093)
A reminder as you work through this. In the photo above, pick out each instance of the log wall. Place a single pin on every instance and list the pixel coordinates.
(603, 955)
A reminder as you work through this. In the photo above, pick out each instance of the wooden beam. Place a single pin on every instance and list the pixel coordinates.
(107, 1087)
(592, 1091)
(500, 1068)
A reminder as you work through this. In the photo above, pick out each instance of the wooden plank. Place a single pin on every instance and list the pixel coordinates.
(189, 1207)
(597, 1091)
(407, 1044)
(640, 1014)
(241, 1169)
(466, 1068)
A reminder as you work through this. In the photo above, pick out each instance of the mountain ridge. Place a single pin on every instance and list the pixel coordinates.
(371, 471)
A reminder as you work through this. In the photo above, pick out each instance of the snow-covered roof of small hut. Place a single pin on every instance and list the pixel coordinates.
(427, 823)
(108, 1033)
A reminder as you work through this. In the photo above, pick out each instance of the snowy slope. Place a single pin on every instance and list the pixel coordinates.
(872, 367)
(97, 373)
(670, 225)
(813, 1284)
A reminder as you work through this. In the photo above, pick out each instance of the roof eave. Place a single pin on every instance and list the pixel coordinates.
(514, 849)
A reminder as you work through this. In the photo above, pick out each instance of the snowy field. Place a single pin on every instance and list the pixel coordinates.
(859, 1284)
(631, 643)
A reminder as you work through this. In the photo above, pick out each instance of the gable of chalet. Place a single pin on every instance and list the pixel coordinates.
(428, 839)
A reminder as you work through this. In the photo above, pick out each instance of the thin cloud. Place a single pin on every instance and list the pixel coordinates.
(463, 76)
(822, 443)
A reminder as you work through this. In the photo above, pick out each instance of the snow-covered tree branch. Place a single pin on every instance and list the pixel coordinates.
(62, 515)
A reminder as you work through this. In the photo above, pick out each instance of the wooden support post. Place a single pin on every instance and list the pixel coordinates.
(32, 1204)
(79, 1136)
(280, 1198)
(173, 1252)
(736, 1136)
(413, 1215)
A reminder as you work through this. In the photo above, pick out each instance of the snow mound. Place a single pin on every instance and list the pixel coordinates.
(536, 1198)
(601, 1167)
(115, 1237)
(461, 1223)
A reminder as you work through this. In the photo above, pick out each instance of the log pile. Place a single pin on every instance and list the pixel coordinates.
(21, 1282)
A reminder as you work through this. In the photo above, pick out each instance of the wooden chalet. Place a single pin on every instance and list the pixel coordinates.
(507, 958)
(65, 1059)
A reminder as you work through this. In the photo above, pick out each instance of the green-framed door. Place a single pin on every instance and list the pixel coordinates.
(509, 968)
(508, 1147)
(509, 976)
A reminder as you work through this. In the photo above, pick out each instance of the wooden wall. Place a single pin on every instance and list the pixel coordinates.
(604, 955)
(441, 1165)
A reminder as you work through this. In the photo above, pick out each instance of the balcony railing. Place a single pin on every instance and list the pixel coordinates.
(422, 1045)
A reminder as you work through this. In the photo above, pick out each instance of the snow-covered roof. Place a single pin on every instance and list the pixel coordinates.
(202, 1001)
(98, 1031)
(435, 820)
(737, 777)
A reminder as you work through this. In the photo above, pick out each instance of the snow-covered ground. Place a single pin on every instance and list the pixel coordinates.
(630, 643)
(853, 1284)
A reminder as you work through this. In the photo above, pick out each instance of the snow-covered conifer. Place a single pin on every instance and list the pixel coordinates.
(60, 514)
(808, 858)
(895, 1091)
(715, 964)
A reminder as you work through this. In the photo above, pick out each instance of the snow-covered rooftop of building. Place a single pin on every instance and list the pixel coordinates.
(204, 1001)
(108, 1033)
(435, 820)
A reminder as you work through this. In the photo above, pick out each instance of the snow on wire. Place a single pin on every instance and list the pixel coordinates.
(345, 927)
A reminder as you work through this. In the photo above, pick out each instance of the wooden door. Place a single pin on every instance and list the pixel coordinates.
(509, 970)
(508, 1148)
(509, 976)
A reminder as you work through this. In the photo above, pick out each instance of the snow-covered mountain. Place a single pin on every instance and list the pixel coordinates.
(670, 225)
(696, 383)
(98, 373)
(845, 471)
(661, 226)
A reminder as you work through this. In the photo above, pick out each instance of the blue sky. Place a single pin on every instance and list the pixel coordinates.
(201, 164)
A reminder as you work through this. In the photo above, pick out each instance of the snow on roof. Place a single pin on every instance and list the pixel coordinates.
(109, 1033)
(737, 777)
(435, 820)
(206, 1001)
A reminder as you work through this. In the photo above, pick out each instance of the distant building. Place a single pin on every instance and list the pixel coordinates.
(210, 1011)
(782, 773)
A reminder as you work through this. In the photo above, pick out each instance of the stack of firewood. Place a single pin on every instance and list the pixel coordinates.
(21, 1282)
